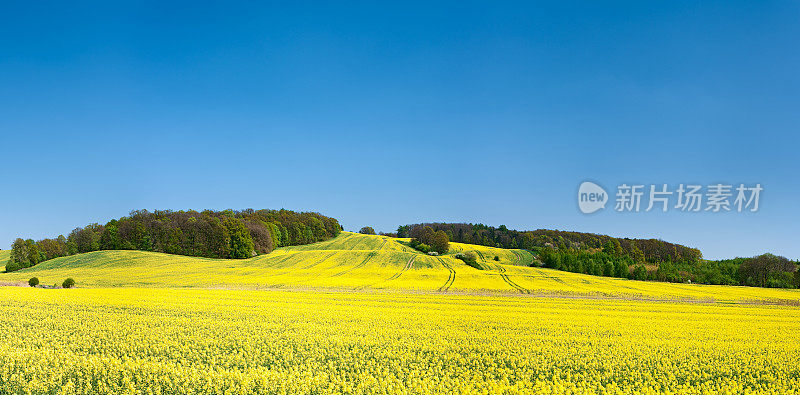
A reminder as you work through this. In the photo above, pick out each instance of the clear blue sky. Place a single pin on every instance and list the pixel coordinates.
(397, 113)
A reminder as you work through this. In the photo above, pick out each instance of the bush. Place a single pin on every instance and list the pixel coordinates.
(496, 258)
(12, 267)
(471, 259)
(367, 230)
(471, 256)
(68, 283)
(422, 247)
(33, 282)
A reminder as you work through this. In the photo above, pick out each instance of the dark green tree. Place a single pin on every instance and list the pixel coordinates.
(241, 243)
(109, 240)
(621, 268)
(68, 283)
(639, 273)
(797, 278)
(19, 256)
(767, 270)
(440, 243)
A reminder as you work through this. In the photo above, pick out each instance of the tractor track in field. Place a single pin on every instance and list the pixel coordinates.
(317, 262)
(549, 277)
(394, 276)
(451, 278)
(329, 244)
(360, 265)
(280, 259)
(406, 267)
(511, 282)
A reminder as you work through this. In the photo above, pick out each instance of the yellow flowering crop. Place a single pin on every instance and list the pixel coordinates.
(166, 341)
(353, 261)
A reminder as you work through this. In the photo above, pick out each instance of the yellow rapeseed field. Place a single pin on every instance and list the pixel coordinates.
(367, 314)
(360, 262)
(167, 341)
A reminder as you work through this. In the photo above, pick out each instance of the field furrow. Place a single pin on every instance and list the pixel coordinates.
(451, 278)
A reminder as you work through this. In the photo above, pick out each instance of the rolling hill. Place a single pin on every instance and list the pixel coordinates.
(354, 261)
(4, 255)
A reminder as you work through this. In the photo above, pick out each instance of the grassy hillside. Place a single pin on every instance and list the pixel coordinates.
(358, 262)
(4, 254)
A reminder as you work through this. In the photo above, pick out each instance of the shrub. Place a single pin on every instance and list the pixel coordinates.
(33, 282)
(12, 267)
(471, 259)
(68, 283)
(367, 230)
(496, 258)
(422, 247)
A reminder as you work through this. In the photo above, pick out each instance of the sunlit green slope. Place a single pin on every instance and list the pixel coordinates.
(4, 254)
(353, 261)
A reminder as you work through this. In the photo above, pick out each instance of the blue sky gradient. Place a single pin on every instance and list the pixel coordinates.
(398, 113)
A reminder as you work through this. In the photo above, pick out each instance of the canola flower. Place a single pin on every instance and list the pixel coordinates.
(166, 341)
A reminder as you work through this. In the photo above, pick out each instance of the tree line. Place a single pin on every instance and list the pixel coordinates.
(766, 270)
(640, 259)
(232, 234)
(639, 250)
